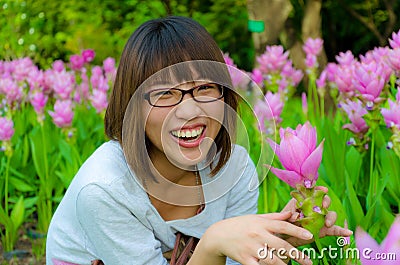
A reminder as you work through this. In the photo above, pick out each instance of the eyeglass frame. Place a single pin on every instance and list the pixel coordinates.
(183, 93)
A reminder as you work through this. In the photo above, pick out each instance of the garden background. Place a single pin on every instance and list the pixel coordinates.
(336, 62)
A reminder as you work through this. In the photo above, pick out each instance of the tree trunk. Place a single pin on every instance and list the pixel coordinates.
(274, 13)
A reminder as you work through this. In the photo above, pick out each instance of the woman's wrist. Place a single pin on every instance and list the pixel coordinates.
(207, 250)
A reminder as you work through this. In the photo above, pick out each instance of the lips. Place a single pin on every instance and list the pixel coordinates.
(189, 136)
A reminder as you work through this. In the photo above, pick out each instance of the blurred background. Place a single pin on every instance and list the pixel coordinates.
(48, 30)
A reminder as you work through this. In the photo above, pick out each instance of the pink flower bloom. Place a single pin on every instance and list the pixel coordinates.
(391, 244)
(369, 80)
(298, 155)
(63, 84)
(109, 65)
(313, 46)
(331, 69)
(393, 59)
(38, 101)
(321, 81)
(311, 61)
(392, 115)
(63, 114)
(344, 79)
(88, 55)
(355, 111)
(22, 67)
(395, 41)
(77, 62)
(58, 66)
(346, 58)
(268, 110)
(304, 104)
(6, 129)
(11, 89)
(257, 77)
(273, 59)
(99, 100)
(291, 73)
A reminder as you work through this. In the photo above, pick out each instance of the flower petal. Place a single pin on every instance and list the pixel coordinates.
(309, 169)
(290, 177)
(308, 135)
(275, 147)
(293, 152)
(364, 241)
(392, 240)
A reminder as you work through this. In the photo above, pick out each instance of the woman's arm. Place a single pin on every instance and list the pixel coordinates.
(114, 234)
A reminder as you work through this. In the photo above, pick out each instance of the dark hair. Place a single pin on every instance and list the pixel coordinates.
(153, 46)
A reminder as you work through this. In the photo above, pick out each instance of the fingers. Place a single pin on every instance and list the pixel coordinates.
(280, 250)
(277, 216)
(288, 229)
(330, 218)
(326, 202)
(324, 189)
(335, 231)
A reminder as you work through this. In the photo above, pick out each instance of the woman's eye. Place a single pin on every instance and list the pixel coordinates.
(163, 93)
(205, 87)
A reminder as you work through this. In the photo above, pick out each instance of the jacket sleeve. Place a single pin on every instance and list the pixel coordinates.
(113, 232)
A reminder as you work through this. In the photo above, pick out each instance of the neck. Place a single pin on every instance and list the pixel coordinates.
(163, 168)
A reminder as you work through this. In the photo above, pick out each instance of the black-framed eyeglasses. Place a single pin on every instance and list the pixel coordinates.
(168, 97)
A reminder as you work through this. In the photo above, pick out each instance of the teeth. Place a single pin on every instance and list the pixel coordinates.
(187, 133)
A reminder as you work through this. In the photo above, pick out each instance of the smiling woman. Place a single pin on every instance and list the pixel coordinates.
(171, 186)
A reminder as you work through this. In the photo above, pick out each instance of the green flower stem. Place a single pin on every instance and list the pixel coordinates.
(47, 211)
(319, 246)
(373, 178)
(6, 185)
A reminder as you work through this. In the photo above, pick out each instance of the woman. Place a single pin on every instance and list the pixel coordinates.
(171, 170)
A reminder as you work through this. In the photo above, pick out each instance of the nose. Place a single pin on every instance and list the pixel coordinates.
(188, 108)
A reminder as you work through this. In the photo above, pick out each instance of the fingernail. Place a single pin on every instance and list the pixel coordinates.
(328, 223)
(307, 235)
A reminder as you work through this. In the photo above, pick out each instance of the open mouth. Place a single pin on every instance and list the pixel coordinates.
(188, 135)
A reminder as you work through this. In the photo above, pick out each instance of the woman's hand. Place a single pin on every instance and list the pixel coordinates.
(244, 238)
(330, 229)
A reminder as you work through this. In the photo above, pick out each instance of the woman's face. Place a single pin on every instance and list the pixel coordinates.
(183, 133)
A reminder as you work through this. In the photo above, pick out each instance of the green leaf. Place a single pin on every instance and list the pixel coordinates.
(21, 185)
(18, 213)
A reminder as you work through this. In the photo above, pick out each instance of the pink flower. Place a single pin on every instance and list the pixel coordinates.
(99, 100)
(298, 155)
(11, 89)
(63, 114)
(268, 110)
(369, 80)
(109, 65)
(321, 81)
(304, 104)
(38, 101)
(313, 46)
(311, 61)
(273, 59)
(6, 129)
(391, 244)
(257, 77)
(77, 62)
(291, 73)
(392, 115)
(58, 66)
(395, 41)
(345, 58)
(344, 79)
(393, 59)
(88, 55)
(63, 84)
(355, 111)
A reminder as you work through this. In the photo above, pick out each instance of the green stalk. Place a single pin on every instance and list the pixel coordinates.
(319, 246)
(373, 179)
(47, 211)
(322, 104)
(6, 184)
(265, 186)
